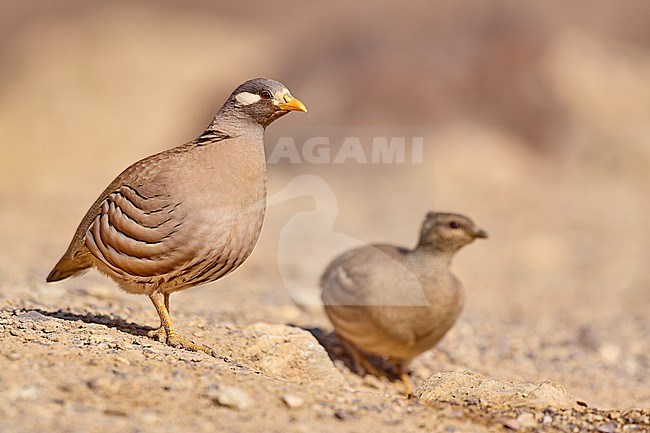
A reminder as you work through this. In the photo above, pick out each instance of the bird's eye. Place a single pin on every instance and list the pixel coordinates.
(265, 94)
(454, 224)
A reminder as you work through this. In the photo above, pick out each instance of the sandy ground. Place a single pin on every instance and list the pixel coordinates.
(560, 291)
(75, 359)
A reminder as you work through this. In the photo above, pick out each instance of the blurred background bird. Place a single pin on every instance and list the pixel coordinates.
(393, 302)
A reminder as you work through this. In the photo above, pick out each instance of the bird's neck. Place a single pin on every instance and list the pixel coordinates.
(440, 286)
(428, 255)
(235, 123)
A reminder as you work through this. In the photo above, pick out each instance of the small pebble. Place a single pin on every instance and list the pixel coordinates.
(122, 360)
(293, 401)
(33, 315)
(342, 415)
(511, 424)
(47, 329)
(527, 420)
(610, 353)
(232, 397)
(607, 428)
(28, 393)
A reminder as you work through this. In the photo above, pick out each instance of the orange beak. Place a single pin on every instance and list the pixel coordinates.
(292, 104)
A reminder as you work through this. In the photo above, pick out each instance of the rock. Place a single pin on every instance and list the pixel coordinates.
(232, 397)
(461, 386)
(291, 354)
(293, 401)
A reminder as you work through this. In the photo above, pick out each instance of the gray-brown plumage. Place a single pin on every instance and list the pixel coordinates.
(394, 302)
(188, 215)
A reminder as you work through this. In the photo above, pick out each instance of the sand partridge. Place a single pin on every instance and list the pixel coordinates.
(394, 302)
(188, 215)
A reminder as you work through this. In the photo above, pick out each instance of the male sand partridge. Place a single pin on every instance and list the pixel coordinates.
(188, 215)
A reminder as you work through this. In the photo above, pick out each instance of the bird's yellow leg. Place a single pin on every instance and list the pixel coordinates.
(402, 368)
(173, 339)
(408, 384)
(159, 333)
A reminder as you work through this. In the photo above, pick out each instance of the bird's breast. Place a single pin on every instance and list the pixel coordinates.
(228, 199)
(224, 202)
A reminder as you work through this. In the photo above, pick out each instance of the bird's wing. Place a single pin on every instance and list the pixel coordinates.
(342, 272)
(361, 276)
(137, 234)
(348, 280)
(133, 218)
(136, 226)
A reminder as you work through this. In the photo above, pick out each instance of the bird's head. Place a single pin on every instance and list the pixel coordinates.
(262, 101)
(448, 232)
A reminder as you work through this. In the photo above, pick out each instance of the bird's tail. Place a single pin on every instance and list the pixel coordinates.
(67, 267)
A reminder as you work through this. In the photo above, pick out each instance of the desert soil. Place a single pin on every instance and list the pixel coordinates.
(74, 356)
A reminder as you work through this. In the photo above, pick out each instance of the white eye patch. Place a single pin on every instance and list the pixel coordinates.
(246, 98)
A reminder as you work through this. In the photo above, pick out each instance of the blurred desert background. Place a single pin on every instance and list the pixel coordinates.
(537, 120)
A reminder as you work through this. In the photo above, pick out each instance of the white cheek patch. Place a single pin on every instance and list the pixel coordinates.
(246, 98)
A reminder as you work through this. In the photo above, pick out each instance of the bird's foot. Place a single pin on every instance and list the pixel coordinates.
(158, 334)
(174, 340)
